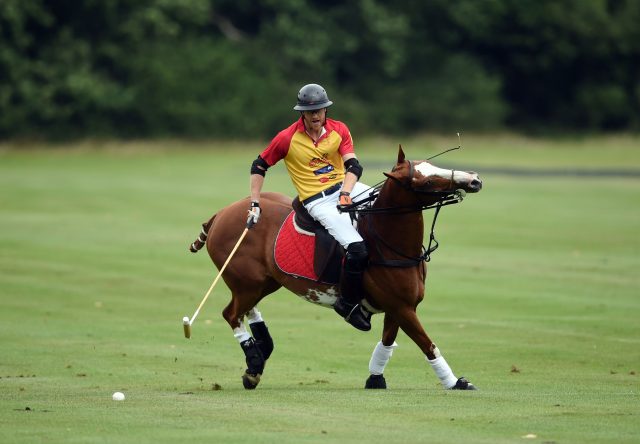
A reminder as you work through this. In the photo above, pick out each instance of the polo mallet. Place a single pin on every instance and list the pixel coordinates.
(186, 323)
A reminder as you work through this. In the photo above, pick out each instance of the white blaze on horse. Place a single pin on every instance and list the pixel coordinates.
(391, 222)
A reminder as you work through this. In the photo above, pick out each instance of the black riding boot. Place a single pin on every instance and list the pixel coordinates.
(351, 289)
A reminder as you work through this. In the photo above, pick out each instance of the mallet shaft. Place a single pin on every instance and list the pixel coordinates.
(215, 281)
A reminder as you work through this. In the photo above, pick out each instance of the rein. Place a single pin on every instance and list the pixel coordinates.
(410, 260)
(364, 207)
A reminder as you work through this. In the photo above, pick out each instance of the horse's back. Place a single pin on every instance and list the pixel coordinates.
(230, 222)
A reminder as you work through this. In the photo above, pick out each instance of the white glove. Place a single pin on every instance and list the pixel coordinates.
(254, 214)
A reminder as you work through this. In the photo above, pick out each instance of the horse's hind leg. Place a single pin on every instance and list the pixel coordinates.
(381, 354)
(233, 314)
(408, 321)
(260, 332)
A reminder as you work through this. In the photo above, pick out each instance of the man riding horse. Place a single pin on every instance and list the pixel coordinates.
(319, 155)
(320, 158)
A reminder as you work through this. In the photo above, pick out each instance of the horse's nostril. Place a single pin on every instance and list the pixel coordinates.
(476, 183)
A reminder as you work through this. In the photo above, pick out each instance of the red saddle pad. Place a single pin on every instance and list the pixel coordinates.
(294, 251)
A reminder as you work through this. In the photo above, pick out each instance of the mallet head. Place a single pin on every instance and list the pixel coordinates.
(186, 325)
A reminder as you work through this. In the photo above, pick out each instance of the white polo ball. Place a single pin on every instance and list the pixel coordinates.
(118, 396)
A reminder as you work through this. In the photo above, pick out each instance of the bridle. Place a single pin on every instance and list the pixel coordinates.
(365, 207)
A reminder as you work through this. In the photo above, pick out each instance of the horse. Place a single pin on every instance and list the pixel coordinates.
(392, 226)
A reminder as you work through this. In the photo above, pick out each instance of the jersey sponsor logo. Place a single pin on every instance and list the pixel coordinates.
(317, 161)
(325, 179)
(324, 170)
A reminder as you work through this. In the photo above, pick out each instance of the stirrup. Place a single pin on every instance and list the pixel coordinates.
(355, 317)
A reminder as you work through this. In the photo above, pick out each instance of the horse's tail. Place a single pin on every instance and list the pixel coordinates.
(201, 240)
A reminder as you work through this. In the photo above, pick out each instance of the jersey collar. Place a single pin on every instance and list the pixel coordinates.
(302, 129)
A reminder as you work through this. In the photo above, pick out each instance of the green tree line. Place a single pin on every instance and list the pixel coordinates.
(232, 68)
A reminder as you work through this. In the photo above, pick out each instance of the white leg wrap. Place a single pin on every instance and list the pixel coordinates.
(241, 334)
(380, 357)
(442, 370)
(254, 316)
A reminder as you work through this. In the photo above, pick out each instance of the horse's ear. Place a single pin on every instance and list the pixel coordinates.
(395, 174)
(400, 154)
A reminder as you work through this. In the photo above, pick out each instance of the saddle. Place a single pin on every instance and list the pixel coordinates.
(305, 249)
(328, 253)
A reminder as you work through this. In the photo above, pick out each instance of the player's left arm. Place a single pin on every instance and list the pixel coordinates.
(353, 171)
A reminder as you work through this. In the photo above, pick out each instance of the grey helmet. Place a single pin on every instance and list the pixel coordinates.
(312, 97)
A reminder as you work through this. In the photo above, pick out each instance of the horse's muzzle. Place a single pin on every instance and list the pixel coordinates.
(476, 184)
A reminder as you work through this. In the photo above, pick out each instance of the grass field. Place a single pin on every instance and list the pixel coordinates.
(533, 295)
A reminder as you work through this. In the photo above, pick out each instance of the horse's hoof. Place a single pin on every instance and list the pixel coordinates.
(463, 384)
(375, 382)
(250, 381)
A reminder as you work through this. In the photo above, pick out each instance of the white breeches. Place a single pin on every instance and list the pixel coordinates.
(337, 224)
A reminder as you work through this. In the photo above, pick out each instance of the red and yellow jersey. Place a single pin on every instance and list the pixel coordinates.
(313, 167)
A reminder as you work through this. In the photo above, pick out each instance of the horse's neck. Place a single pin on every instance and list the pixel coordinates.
(403, 230)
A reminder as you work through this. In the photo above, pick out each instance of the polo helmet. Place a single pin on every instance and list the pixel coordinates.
(312, 97)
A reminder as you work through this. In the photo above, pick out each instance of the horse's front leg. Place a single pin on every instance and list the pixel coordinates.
(410, 324)
(381, 354)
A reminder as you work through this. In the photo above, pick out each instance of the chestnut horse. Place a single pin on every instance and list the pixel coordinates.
(393, 228)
